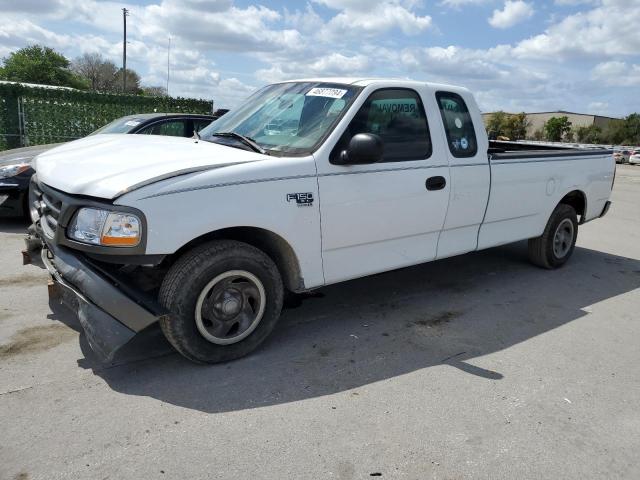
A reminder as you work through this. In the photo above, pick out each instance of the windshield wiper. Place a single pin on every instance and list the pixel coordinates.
(250, 142)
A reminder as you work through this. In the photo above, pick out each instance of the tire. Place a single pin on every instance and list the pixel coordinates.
(202, 291)
(561, 231)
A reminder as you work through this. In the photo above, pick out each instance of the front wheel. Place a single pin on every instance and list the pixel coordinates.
(225, 298)
(556, 244)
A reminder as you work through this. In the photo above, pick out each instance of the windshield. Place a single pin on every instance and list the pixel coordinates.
(286, 118)
(121, 125)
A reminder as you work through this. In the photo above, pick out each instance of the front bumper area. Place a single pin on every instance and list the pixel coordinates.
(109, 316)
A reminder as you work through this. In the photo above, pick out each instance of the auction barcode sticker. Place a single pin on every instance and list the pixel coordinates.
(326, 92)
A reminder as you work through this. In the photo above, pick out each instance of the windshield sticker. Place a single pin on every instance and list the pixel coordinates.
(464, 143)
(132, 123)
(326, 92)
(458, 122)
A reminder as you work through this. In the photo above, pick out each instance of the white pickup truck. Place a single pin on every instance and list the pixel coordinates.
(308, 183)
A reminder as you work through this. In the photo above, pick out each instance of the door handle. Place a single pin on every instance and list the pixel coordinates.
(436, 183)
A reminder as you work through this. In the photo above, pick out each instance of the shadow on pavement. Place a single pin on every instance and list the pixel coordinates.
(367, 330)
(14, 225)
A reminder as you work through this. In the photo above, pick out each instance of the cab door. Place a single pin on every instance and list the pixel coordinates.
(387, 215)
(470, 175)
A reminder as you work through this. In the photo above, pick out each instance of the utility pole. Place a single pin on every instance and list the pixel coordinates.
(168, 63)
(125, 13)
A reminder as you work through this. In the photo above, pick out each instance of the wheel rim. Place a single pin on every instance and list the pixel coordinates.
(563, 238)
(230, 307)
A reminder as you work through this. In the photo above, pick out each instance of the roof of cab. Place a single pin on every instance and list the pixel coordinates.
(366, 81)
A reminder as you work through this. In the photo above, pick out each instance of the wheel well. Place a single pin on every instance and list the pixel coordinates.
(578, 201)
(276, 247)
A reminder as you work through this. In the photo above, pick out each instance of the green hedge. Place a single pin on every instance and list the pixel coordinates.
(56, 115)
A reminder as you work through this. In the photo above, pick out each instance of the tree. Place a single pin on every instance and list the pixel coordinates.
(590, 134)
(495, 124)
(99, 72)
(515, 126)
(133, 82)
(556, 128)
(626, 131)
(37, 64)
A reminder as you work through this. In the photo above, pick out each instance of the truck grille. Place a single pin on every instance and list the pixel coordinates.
(45, 201)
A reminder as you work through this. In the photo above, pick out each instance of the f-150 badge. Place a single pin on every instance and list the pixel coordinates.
(301, 199)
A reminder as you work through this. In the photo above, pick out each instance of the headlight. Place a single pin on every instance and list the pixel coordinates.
(102, 227)
(13, 170)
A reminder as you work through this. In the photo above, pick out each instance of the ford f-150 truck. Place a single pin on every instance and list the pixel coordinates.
(306, 184)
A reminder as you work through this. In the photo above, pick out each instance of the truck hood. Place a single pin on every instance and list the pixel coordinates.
(107, 166)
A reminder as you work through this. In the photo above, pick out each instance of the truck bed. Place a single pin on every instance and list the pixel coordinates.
(502, 150)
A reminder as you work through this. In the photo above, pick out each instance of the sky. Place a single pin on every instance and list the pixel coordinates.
(515, 55)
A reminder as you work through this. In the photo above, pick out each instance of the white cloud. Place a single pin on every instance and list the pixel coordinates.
(334, 64)
(512, 13)
(353, 38)
(461, 3)
(30, 6)
(17, 33)
(610, 29)
(573, 3)
(448, 62)
(306, 21)
(362, 17)
(598, 107)
(233, 29)
(617, 73)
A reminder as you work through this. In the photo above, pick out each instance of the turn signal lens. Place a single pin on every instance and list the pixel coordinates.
(121, 230)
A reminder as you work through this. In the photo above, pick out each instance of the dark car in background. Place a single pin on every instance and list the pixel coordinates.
(16, 165)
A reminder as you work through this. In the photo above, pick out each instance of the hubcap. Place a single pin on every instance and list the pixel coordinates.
(563, 238)
(230, 307)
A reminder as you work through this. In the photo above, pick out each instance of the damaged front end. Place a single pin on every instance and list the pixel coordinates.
(110, 308)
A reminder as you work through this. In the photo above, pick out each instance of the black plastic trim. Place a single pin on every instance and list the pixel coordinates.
(128, 260)
(564, 152)
(96, 288)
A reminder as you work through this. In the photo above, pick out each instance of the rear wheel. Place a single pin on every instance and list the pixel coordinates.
(556, 244)
(225, 297)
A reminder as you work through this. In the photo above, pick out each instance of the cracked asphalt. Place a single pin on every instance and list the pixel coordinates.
(479, 366)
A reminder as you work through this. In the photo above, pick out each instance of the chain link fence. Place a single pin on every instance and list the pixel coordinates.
(32, 115)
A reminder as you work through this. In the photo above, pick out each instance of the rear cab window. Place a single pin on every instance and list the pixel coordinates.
(461, 135)
(398, 117)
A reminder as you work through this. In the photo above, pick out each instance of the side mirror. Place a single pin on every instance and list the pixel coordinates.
(363, 148)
